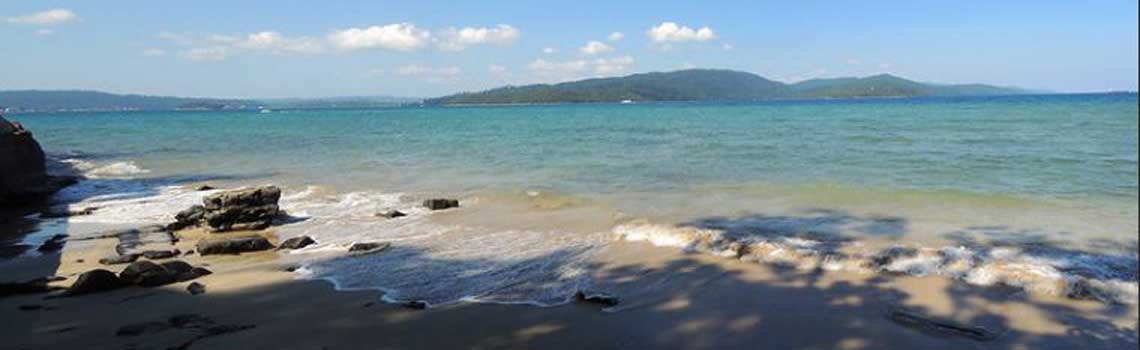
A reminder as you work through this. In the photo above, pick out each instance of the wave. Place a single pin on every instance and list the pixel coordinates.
(113, 170)
(1054, 271)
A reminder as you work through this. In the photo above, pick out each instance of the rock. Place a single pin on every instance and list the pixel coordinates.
(187, 217)
(23, 171)
(940, 327)
(205, 188)
(234, 245)
(391, 214)
(246, 209)
(368, 247)
(415, 304)
(296, 242)
(147, 274)
(889, 255)
(62, 211)
(441, 203)
(28, 287)
(177, 266)
(53, 244)
(94, 281)
(119, 259)
(196, 288)
(597, 298)
(160, 254)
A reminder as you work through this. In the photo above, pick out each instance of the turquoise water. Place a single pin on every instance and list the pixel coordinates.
(1066, 146)
(1056, 172)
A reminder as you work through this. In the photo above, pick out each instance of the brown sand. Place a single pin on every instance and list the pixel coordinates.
(679, 301)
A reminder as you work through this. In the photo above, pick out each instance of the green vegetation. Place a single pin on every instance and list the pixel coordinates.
(712, 85)
(37, 100)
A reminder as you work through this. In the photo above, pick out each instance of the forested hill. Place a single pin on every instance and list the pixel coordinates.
(81, 100)
(712, 85)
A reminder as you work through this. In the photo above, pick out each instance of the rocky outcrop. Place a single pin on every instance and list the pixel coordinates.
(296, 242)
(441, 203)
(244, 209)
(368, 247)
(94, 281)
(149, 274)
(23, 172)
(234, 245)
(391, 214)
(597, 298)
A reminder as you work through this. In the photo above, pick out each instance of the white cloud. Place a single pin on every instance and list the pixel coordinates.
(594, 48)
(274, 42)
(452, 39)
(549, 50)
(430, 74)
(576, 69)
(667, 32)
(49, 17)
(44, 32)
(615, 36)
(152, 52)
(396, 37)
(727, 47)
(206, 54)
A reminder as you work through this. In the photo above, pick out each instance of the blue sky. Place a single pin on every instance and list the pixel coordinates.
(427, 48)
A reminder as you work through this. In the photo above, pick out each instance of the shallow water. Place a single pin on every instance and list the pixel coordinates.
(1057, 171)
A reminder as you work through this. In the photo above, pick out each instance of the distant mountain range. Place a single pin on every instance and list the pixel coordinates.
(684, 85)
(713, 85)
(80, 100)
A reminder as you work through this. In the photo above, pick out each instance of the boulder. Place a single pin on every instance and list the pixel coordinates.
(53, 244)
(23, 171)
(188, 217)
(297, 242)
(234, 245)
(368, 247)
(161, 254)
(62, 211)
(196, 288)
(391, 214)
(597, 298)
(246, 209)
(415, 304)
(441, 203)
(147, 274)
(119, 259)
(94, 281)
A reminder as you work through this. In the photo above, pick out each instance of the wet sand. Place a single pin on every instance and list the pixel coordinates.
(674, 300)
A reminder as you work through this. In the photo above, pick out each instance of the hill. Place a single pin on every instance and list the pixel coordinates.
(712, 85)
(80, 100)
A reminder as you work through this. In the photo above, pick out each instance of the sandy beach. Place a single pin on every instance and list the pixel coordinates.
(686, 301)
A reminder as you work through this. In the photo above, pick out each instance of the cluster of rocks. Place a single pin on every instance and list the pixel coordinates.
(239, 210)
(139, 273)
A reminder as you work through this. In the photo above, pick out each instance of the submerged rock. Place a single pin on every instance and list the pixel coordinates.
(391, 214)
(368, 247)
(297, 242)
(94, 281)
(119, 259)
(234, 245)
(415, 304)
(246, 209)
(597, 298)
(441, 203)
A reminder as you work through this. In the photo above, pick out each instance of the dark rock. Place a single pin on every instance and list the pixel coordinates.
(53, 244)
(889, 255)
(161, 254)
(23, 171)
(939, 327)
(205, 188)
(415, 304)
(246, 209)
(29, 287)
(441, 203)
(296, 242)
(391, 214)
(62, 211)
(147, 274)
(368, 247)
(291, 268)
(597, 298)
(200, 271)
(94, 281)
(188, 217)
(177, 266)
(119, 259)
(234, 245)
(196, 288)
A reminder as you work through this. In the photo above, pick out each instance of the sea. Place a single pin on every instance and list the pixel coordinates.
(1038, 191)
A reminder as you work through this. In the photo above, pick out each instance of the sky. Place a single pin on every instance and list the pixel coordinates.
(287, 48)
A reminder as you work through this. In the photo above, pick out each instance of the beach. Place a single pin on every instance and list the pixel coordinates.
(958, 223)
